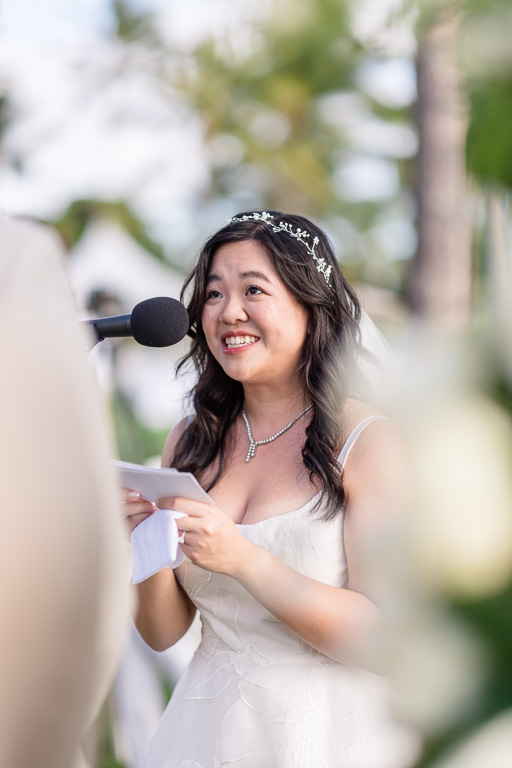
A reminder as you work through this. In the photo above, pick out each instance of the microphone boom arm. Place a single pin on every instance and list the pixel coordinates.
(115, 326)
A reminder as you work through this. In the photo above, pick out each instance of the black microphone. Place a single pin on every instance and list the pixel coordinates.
(158, 322)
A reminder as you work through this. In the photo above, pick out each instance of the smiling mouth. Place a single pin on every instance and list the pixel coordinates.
(235, 342)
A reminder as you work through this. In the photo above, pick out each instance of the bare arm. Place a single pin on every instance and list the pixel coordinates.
(334, 621)
(338, 622)
(164, 612)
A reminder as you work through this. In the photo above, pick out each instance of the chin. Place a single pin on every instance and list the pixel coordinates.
(238, 375)
(242, 374)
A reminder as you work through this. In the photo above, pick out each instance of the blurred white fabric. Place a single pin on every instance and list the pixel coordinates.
(374, 366)
(63, 561)
(139, 696)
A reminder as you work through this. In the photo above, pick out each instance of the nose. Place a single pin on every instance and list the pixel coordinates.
(233, 311)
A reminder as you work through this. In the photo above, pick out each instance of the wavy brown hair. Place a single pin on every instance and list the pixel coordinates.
(325, 366)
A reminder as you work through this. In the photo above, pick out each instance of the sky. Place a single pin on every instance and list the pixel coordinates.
(54, 20)
(71, 21)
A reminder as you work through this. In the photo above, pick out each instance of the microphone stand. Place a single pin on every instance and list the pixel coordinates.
(115, 326)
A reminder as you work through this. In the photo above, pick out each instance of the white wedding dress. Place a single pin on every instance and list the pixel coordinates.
(257, 696)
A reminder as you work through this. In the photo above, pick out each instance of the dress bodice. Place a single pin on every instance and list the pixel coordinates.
(299, 538)
(302, 539)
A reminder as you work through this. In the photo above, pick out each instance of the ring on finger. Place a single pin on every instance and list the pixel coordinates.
(181, 538)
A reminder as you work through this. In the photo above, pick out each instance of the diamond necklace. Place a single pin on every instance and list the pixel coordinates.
(254, 443)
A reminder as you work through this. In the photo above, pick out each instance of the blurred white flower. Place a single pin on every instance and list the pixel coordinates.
(436, 665)
(490, 745)
(461, 532)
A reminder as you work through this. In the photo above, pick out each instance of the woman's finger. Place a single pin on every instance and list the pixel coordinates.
(138, 518)
(138, 508)
(188, 524)
(132, 521)
(189, 506)
(128, 494)
(187, 538)
(199, 527)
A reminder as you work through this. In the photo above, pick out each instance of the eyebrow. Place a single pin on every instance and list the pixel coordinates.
(243, 276)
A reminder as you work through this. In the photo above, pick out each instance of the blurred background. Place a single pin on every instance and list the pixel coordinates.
(137, 127)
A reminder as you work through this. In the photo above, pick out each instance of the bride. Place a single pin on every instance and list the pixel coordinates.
(302, 470)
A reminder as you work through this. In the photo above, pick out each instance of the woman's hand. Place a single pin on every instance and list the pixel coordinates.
(134, 509)
(212, 540)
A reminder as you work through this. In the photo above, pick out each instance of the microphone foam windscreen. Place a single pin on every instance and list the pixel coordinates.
(159, 322)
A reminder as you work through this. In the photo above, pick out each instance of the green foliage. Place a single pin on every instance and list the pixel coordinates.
(268, 101)
(135, 441)
(73, 222)
(311, 41)
(489, 142)
(486, 57)
(4, 114)
(484, 8)
(485, 31)
(268, 137)
(490, 620)
(130, 25)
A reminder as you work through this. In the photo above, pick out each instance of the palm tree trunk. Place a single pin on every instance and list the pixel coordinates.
(440, 278)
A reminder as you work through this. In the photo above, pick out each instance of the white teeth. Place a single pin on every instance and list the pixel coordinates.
(239, 341)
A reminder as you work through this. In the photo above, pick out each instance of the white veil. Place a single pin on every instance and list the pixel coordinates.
(377, 357)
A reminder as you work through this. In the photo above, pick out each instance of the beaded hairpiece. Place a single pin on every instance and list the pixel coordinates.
(299, 234)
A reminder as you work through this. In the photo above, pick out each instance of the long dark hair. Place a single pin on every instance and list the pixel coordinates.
(325, 366)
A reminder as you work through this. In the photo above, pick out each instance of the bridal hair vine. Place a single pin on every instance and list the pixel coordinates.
(299, 234)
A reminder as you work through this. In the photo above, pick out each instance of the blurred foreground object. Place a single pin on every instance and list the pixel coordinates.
(450, 617)
(63, 562)
(139, 691)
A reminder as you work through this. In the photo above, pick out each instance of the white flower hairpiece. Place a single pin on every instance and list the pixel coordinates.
(301, 235)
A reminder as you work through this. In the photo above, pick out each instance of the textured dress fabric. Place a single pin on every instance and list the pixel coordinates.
(257, 696)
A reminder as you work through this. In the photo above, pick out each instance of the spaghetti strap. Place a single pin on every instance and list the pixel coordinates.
(351, 439)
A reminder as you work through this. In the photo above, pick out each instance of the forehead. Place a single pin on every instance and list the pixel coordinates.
(240, 257)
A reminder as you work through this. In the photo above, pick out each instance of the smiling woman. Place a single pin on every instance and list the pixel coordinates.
(274, 277)
(281, 438)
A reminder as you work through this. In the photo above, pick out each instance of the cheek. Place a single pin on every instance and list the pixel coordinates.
(207, 320)
(209, 326)
(292, 339)
(298, 324)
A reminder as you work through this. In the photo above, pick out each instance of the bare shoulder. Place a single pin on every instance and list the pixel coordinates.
(172, 440)
(381, 464)
(379, 478)
(355, 411)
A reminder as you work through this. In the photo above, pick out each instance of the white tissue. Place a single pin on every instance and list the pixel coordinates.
(155, 544)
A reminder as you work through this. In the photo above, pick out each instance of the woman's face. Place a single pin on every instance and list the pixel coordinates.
(254, 327)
